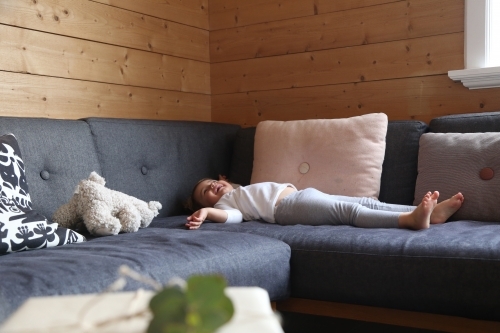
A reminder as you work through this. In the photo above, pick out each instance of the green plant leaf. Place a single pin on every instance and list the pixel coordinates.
(208, 303)
(202, 308)
(169, 311)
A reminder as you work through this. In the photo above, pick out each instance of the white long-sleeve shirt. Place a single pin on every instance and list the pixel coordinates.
(252, 202)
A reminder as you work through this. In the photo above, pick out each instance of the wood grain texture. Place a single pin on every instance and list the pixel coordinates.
(413, 319)
(236, 13)
(420, 98)
(328, 6)
(34, 52)
(25, 95)
(375, 24)
(97, 22)
(189, 12)
(407, 58)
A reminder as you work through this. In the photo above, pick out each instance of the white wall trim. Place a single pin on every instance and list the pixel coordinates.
(476, 75)
(477, 78)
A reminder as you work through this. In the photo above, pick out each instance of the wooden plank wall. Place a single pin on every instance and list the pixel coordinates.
(237, 61)
(107, 58)
(300, 59)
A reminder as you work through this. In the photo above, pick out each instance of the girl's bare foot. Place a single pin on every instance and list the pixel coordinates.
(447, 208)
(420, 218)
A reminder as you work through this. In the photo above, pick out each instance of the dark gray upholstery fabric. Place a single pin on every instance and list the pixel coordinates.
(467, 123)
(161, 160)
(244, 260)
(57, 155)
(399, 171)
(450, 269)
(172, 222)
(242, 162)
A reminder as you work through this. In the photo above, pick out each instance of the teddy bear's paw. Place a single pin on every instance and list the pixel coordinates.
(155, 206)
(102, 225)
(103, 231)
(130, 219)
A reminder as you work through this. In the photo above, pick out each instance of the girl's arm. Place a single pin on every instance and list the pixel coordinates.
(212, 214)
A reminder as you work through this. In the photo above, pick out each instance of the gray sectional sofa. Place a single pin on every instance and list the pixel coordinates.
(451, 269)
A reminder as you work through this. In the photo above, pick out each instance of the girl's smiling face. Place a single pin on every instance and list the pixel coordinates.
(209, 191)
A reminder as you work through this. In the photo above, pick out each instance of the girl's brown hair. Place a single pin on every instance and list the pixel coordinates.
(191, 204)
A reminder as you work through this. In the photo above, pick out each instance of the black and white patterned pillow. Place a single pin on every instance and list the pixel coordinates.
(21, 227)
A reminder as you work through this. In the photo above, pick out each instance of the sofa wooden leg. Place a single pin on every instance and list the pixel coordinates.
(388, 316)
(273, 306)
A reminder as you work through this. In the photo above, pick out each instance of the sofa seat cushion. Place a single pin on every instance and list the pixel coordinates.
(450, 269)
(159, 253)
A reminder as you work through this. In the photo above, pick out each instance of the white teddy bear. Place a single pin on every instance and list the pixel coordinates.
(103, 211)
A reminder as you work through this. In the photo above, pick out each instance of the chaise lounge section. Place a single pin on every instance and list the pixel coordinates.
(154, 160)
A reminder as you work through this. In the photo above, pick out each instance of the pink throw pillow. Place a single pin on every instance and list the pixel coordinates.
(335, 156)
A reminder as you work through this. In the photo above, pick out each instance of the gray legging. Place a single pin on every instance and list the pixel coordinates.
(313, 207)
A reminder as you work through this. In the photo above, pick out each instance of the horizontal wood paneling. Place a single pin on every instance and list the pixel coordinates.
(25, 95)
(190, 12)
(407, 58)
(328, 6)
(74, 59)
(394, 57)
(93, 21)
(237, 13)
(34, 52)
(374, 24)
(421, 98)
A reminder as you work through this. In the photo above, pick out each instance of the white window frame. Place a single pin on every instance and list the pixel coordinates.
(476, 75)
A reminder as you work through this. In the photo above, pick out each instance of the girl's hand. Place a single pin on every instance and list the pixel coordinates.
(196, 219)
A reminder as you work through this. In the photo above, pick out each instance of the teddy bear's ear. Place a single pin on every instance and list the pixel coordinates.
(96, 178)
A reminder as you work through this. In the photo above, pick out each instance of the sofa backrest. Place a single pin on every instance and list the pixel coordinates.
(151, 160)
(161, 160)
(466, 123)
(56, 153)
(399, 171)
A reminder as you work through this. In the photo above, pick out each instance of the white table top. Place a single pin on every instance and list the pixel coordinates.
(128, 312)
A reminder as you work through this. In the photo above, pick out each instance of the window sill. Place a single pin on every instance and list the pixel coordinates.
(477, 78)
